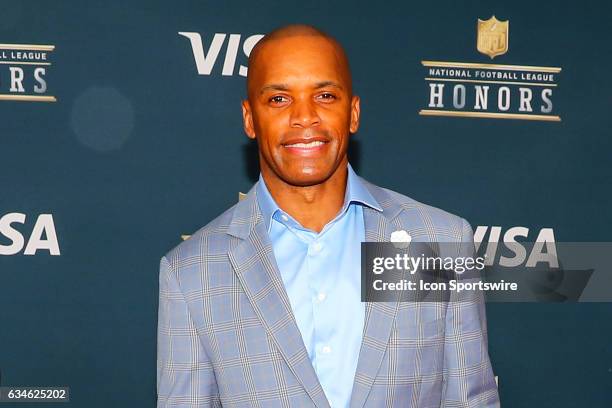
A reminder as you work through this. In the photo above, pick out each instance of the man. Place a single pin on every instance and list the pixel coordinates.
(261, 307)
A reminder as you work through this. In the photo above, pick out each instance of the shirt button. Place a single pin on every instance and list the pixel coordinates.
(284, 217)
(326, 349)
(317, 246)
(321, 296)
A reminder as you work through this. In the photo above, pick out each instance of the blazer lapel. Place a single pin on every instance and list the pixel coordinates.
(379, 316)
(254, 263)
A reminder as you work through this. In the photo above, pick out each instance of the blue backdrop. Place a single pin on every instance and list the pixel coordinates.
(139, 148)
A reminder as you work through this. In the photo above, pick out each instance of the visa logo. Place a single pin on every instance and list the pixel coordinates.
(42, 237)
(205, 60)
(544, 248)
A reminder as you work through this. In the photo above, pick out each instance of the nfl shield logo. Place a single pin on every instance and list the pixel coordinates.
(492, 37)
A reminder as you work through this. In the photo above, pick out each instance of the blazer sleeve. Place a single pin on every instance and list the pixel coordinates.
(185, 376)
(468, 376)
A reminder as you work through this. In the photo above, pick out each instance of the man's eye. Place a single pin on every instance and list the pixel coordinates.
(327, 96)
(278, 99)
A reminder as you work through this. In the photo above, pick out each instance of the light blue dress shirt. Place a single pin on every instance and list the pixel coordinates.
(321, 273)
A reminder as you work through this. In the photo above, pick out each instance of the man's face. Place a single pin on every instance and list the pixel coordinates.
(300, 109)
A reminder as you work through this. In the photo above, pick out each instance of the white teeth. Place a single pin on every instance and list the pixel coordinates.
(314, 143)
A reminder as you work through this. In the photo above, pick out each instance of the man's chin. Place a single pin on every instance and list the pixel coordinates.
(306, 177)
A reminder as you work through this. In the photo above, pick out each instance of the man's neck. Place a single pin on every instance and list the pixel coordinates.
(313, 206)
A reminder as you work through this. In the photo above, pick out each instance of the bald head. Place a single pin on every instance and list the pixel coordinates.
(295, 35)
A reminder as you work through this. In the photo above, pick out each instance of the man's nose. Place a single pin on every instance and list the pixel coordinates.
(304, 114)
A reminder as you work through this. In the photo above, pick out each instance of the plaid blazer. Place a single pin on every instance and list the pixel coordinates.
(227, 336)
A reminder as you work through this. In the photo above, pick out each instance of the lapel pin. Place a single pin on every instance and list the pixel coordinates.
(401, 239)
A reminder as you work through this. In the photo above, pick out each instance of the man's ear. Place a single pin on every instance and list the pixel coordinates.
(355, 111)
(247, 119)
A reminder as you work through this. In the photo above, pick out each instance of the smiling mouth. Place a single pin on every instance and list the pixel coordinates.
(308, 145)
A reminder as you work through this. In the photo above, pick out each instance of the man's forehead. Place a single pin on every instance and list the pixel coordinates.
(312, 58)
(294, 48)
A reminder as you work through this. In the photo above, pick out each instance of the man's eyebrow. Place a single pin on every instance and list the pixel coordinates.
(323, 84)
(274, 87)
(285, 87)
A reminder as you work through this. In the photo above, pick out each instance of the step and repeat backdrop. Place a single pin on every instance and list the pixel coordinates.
(121, 133)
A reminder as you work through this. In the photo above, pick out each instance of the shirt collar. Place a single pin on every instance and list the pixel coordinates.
(356, 193)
